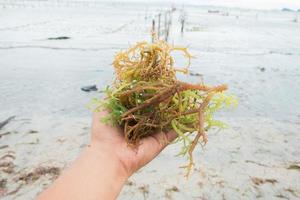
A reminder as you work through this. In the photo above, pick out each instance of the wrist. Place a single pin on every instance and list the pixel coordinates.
(105, 154)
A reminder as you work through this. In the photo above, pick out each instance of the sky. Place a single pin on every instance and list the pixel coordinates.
(254, 4)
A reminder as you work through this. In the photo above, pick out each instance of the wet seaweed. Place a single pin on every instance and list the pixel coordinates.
(146, 96)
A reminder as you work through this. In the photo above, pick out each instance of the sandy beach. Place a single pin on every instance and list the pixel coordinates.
(256, 52)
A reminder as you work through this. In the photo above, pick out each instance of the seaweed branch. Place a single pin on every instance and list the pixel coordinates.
(147, 97)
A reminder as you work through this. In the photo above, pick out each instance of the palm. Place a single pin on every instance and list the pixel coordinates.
(112, 139)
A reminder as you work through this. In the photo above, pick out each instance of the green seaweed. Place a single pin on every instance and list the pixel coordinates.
(147, 97)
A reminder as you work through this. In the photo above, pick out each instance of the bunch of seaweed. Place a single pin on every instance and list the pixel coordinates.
(147, 97)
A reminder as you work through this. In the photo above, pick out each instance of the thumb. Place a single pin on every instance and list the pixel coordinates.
(152, 145)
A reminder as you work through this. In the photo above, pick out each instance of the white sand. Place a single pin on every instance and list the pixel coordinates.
(41, 80)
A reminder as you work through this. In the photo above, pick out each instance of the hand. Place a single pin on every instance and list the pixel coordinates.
(110, 140)
(103, 167)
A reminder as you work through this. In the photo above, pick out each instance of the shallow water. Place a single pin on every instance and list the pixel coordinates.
(41, 81)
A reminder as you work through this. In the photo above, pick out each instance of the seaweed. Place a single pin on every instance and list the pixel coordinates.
(146, 96)
(59, 38)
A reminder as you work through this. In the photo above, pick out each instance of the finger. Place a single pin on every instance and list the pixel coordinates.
(171, 136)
(151, 146)
(97, 119)
(99, 126)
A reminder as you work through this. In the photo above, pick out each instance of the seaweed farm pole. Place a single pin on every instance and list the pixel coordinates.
(182, 24)
(153, 30)
(168, 24)
(182, 20)
(158, 26)
(296, 18)
(170, 17)
(146, 14)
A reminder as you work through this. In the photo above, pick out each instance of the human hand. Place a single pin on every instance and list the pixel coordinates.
(110, 140)
(102, 168)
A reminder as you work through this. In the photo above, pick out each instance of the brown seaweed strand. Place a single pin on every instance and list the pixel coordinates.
(201, 132)
(154, 100)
